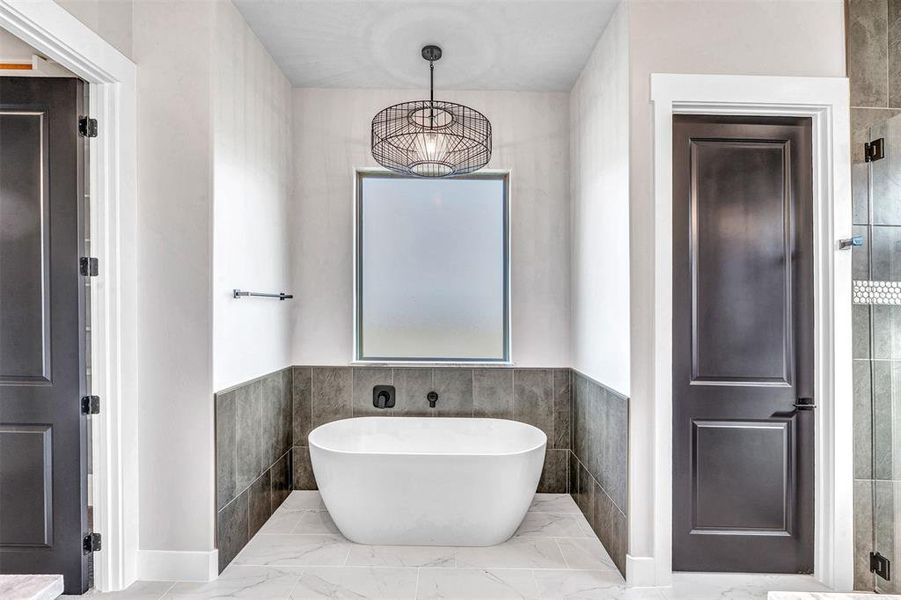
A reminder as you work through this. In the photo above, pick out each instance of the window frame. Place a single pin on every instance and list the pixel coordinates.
(358, 357)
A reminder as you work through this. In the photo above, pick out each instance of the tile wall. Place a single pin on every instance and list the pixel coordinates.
(254, 438)
(874, 68)
(600, 461)
(262, 428)
(540, 397)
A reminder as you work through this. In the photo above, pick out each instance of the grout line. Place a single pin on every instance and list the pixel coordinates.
(416, 589)
(169, 589)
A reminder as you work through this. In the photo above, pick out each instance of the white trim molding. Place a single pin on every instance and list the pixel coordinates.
(173, 565)
(54, 32)
(825, 102)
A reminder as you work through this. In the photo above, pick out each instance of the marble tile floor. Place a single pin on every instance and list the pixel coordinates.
(299, 554)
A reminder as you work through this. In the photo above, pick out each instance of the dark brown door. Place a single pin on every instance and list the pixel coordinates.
(742, 345)
(43, 435)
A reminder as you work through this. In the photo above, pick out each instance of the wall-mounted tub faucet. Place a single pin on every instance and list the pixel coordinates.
(432, 397)
(383, 396)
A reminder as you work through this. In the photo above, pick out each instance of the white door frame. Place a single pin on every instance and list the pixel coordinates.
(111, 83)
(825, 101)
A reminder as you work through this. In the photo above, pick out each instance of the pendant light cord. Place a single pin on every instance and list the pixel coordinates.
(432, 94)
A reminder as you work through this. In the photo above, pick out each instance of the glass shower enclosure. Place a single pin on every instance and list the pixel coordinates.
(877, 358)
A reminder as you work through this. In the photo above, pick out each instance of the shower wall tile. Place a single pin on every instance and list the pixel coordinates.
(454, 388)
(231, 529)
(884, 182)
(226, 451)
(492, 393)
(555, 473)
(863, 446)
(894, 53)
(867, 52)
(882, 425)
(888, 508)
(885, 330)
(863, 534)
(259, 500)
(332, 389)
(860, 261)
(249, 417)
(886, 250)
(302, 403)
(562, 408)
(533, 399)
(860, 192)
(860, 326)
(412, 386)
(364, 379)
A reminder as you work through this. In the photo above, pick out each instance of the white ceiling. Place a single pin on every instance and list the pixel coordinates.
(538, 45)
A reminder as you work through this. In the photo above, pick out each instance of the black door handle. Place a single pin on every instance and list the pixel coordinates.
(805, 404)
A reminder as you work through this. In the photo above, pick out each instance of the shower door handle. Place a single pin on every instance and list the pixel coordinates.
(805, 404)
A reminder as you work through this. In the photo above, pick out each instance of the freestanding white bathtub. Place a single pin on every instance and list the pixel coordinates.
(427, 480)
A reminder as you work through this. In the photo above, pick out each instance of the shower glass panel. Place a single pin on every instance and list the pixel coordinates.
(877, 364)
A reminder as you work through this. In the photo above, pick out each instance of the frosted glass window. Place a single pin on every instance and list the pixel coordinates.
(432, 268)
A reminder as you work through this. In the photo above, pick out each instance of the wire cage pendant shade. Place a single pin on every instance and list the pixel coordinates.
(429, 138)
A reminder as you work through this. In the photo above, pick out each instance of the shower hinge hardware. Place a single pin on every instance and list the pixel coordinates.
(91, 543)
(855, 241)
(89, 266)
(87, 127)
(881, 566)
(90, 405)
(873, 151)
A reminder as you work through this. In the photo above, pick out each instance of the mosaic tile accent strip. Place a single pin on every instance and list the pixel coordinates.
(877, 292)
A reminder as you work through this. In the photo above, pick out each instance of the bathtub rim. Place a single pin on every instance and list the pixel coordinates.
(532, 448)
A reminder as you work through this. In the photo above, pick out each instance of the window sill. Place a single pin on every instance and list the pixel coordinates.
(438, 364)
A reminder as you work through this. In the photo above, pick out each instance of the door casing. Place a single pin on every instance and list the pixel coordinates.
(111, 79)
(825, 101)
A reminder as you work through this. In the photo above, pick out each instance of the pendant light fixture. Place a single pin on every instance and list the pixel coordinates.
(431, 138)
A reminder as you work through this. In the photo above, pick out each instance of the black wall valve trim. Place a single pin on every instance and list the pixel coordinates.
(432, 397)
(383, 396)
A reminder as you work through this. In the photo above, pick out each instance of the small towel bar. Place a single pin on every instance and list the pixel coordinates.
(280, 295)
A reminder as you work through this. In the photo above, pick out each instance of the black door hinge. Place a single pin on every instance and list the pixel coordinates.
(881, 566)
(91, 543)
(89, 266)
(90, 405)
(873, 151)
(87, 127)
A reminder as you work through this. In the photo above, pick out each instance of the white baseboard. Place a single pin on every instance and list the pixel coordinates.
(166, 565)
(641, 571)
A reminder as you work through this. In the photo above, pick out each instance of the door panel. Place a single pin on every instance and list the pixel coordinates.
(742, 345)
(24, 256)
(738, 219)
(43, 435)
(756, 498)
(27, 484)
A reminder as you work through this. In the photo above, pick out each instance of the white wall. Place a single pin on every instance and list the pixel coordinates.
(172, 43)
(599, 192)
(110, 19)
(740, 37)
(251, 187)
(331, 139)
